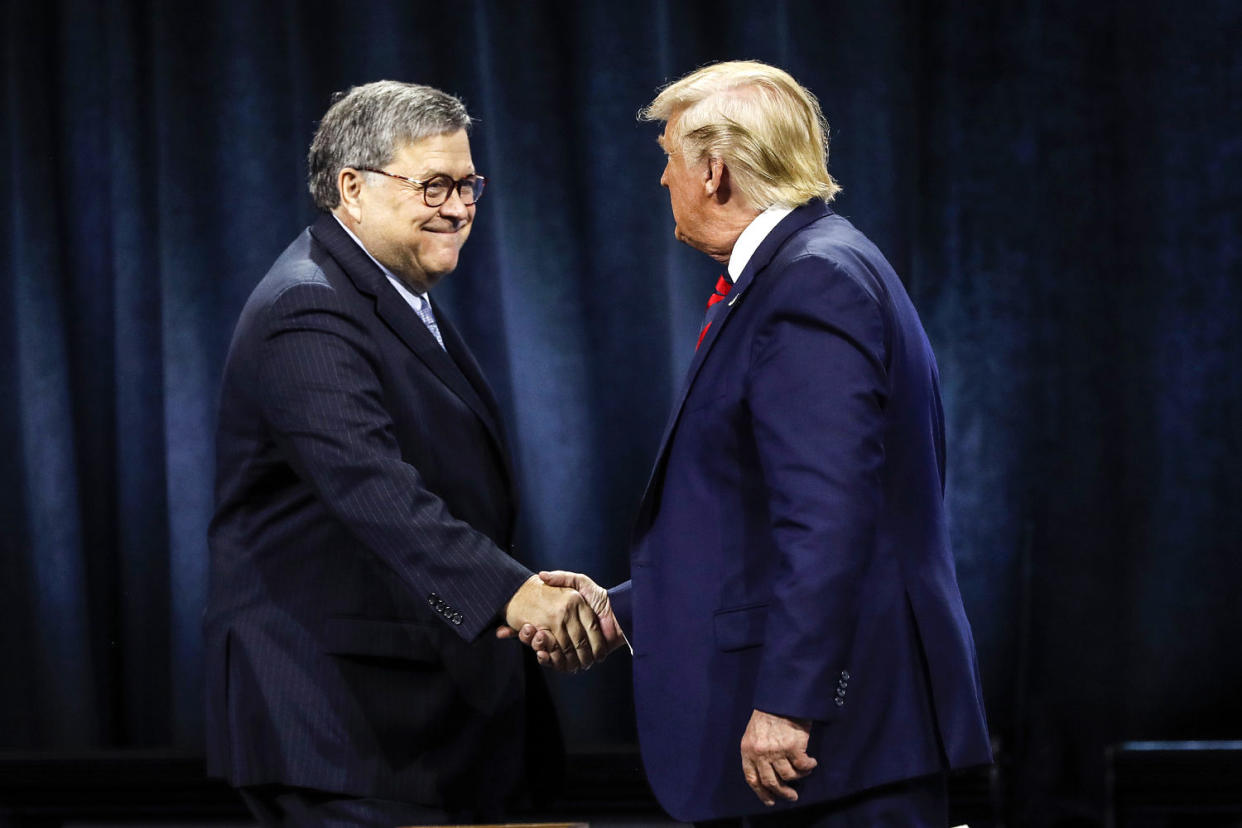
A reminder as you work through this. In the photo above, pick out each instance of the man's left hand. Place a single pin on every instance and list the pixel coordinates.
(774, 754)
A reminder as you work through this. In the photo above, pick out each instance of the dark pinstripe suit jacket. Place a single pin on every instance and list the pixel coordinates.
(360, 548)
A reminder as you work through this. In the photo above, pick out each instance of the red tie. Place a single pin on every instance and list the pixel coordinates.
(723, 286)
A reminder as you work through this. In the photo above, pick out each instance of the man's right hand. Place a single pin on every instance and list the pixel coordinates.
(543, 643)
(562, 615)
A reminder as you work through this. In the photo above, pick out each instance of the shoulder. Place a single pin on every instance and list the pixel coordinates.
(831, 257)
(302, 284)
(301, 265)
(824, 270)
(826, 278)
(304, 275)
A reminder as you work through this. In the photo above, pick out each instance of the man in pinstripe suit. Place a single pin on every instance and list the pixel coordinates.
(361, 542)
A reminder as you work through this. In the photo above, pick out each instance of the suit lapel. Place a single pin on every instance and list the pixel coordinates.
(789, 225)
(464, 360)
(404, 322)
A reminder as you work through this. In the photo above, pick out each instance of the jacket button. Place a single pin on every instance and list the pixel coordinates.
(840, 701)
(845, 675)
(456, 618)
(840, 692)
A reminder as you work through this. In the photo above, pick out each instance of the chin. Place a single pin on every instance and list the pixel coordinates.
(433, 277)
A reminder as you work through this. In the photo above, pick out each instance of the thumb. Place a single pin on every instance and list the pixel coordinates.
(561, 578)
(505, 632)
(804, 763)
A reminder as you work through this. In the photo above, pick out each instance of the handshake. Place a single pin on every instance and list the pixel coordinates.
(565, 618)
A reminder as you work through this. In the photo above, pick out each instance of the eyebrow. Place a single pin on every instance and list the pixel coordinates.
(436, 173)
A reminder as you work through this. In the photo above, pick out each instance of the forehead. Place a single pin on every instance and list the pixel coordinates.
(448, 153)
(668, 137)
(665, 140)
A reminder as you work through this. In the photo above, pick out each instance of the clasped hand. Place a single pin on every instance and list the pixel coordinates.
(565, 618)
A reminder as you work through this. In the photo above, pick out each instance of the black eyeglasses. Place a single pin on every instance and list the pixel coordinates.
(436, 190)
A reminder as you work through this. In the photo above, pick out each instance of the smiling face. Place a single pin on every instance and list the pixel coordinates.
(418, 243)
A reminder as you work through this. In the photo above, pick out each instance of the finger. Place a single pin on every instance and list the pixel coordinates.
(528, 635)
(560, 578)
(562, 648)
(557, 661)
(506, 632)
(774, 786)
(573, 636)
(804, 763)
(572, 665)
(594, 632)
(752, 779)
(579, 638)
(786, 772)
(564, 656)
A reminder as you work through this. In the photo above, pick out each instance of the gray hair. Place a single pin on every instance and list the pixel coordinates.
(369, 124)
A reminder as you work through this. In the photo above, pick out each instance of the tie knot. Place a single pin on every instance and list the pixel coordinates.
(723, 286)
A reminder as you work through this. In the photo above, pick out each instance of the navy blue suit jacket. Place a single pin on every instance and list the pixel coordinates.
(791, 552)
(360, 548)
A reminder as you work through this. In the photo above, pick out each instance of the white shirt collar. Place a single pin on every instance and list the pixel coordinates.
(753, 236)
(415, 300)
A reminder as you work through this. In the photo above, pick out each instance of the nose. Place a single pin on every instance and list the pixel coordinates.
(454, 207)
(664, 176)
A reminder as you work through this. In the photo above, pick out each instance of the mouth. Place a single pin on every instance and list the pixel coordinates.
(445, 225)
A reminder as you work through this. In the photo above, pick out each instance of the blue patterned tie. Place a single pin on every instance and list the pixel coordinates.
(423, 309)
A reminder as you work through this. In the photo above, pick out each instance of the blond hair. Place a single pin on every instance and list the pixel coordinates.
(768, 130)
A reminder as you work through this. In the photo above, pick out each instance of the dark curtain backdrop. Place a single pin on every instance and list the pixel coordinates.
(1057, 182)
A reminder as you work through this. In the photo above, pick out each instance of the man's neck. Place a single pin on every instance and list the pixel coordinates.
(728, 227)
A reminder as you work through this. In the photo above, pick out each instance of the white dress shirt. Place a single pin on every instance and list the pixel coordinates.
(752, 237)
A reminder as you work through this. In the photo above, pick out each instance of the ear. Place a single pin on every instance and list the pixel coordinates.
(349, 185)
(716, 183)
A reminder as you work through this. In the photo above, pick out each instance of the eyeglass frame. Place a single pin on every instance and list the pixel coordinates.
(422, 185)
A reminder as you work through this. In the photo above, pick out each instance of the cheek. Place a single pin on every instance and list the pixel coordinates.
(675, 200)
(446, 247)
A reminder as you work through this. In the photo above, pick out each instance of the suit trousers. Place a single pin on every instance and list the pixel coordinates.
(281, 806)
(913, 803)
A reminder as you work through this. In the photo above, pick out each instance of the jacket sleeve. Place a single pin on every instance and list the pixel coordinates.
(619, 598)
(817, 390)
(319, 389)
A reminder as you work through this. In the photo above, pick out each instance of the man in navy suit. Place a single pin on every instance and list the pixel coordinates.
(793, 594)
(363, 532)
